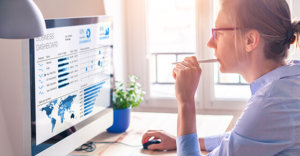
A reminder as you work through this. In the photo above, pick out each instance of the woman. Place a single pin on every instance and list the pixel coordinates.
(252, 38)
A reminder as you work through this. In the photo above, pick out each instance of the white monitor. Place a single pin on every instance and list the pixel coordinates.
(70, 83)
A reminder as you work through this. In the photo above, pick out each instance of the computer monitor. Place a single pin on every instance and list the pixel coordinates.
(70, 83)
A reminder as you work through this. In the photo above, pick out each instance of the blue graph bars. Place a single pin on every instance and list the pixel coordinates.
(94, 94)
(63, 69)
(62, 59)
(97, 85)
(63, 72)
(89, 97)
(63, 64)
(62, 80)
(63, 85)
(62, 75)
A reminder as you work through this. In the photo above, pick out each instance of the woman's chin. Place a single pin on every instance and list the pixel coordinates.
(224, 70)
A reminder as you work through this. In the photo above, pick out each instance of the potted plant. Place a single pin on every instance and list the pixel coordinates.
(125, 97)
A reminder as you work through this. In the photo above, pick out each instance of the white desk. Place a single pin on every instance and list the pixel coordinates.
(141, 122)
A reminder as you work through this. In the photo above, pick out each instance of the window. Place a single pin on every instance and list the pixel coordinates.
(162, 32)
(294, 53)
(228, 86)
(171, 37)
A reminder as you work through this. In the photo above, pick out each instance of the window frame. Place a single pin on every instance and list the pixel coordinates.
(205, 14)
(138, 64)
(136, 32)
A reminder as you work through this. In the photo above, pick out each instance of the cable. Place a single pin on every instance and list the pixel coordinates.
(87, 147)
(91, 146)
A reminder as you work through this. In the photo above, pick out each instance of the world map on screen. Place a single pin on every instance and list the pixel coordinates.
(53, 110)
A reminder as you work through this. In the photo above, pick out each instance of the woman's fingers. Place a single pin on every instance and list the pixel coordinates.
(192, 60)
(150, 134)
(187, 75)
(174, 74)
(186, 63)
(179, 66)
(168, 141)
(159, 146)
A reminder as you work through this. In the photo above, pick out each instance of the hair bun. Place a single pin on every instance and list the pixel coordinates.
(293, 39)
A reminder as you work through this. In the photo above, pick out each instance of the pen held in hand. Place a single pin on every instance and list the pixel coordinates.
(203, 61)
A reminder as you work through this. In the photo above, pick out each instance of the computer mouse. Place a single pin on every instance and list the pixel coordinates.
(150, 142)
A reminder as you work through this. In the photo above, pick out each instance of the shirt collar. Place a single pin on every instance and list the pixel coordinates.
(291, 69)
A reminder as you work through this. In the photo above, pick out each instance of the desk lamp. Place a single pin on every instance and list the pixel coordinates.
(20, 19)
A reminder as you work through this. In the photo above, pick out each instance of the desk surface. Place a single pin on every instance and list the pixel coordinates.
(141, 122)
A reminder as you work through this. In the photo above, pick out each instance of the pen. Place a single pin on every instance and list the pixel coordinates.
(203, 61)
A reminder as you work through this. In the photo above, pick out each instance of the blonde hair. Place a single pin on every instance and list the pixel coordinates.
(271, 18)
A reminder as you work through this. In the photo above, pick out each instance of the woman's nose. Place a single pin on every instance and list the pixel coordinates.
(211, 43)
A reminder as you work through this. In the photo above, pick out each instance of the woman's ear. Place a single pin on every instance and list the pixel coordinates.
(252, 39)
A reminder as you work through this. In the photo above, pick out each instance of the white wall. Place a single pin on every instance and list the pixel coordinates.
(70, 8)
(6, 144)
(116, 8)
(10, 95)
(11, 65)
(136, 38)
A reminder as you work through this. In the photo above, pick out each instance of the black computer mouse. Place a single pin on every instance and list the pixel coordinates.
(150, 142)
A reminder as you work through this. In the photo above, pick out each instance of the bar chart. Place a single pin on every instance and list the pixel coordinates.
(89, 97)
(63, 72)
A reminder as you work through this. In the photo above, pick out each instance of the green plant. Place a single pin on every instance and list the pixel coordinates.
(128, 95)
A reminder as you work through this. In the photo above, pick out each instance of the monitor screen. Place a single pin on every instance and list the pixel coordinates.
(70, 75)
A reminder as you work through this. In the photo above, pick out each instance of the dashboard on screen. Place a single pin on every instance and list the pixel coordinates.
(70, 77)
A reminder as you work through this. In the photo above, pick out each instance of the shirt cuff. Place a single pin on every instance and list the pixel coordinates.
(188, 145)
(214, 141)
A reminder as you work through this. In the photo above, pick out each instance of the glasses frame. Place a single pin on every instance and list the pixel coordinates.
(214, 30)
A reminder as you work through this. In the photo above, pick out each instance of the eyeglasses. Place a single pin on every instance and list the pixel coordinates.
(214, 31)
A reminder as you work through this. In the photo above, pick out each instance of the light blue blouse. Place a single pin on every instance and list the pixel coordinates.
(269, 125)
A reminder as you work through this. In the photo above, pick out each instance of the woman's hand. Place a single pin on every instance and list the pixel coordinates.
(168, 141)
(187, 75)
